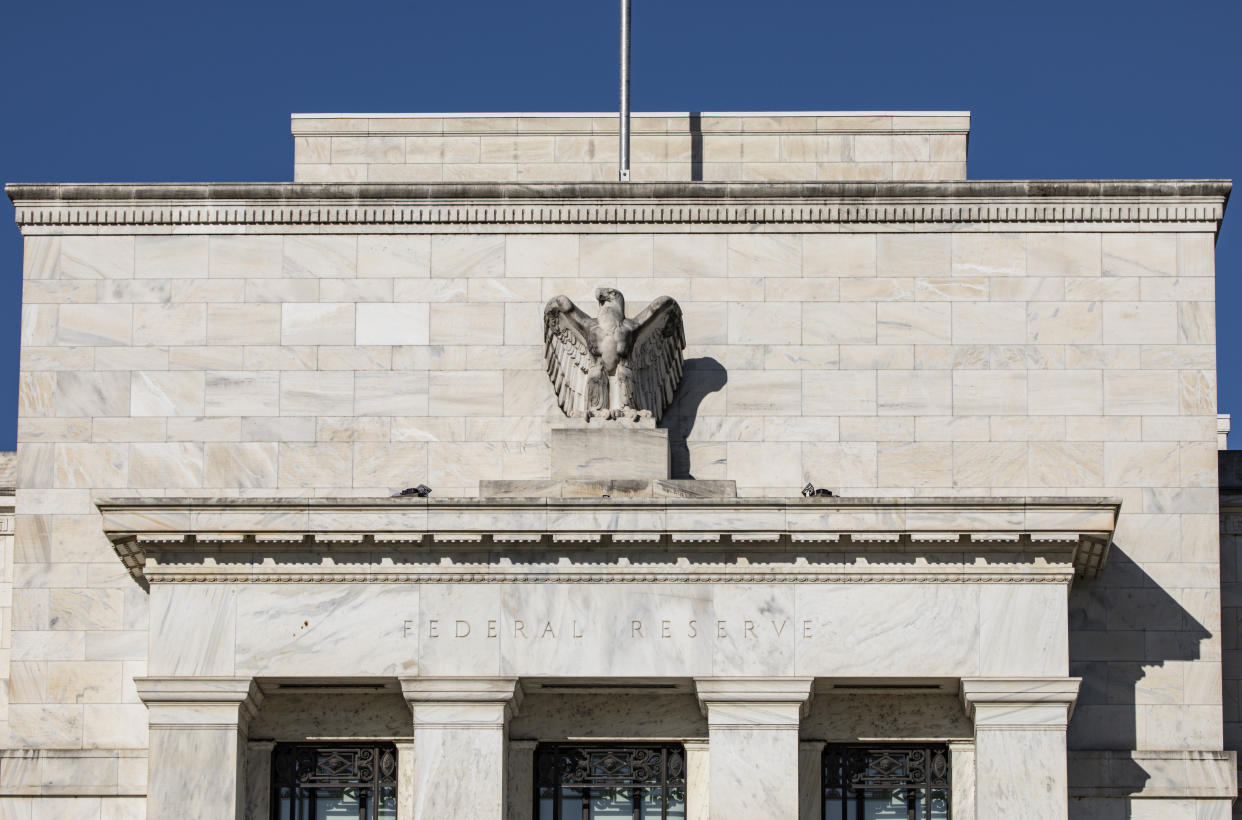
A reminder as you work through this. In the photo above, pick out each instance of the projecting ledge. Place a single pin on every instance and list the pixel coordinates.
(393, 536)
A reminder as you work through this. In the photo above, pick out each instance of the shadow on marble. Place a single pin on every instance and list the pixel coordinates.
(703, 376)
(1130, 641)
(321, 717)
(561, 716)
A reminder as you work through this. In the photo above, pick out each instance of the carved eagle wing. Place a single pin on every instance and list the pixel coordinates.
(567, 353)
(656, 353)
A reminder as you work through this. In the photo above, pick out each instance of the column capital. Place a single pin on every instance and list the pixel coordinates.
(463, 690)
(976, 691)
(754, 691)
(206, 702)
(474, 701)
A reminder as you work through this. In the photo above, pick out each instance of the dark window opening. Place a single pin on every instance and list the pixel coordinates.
(322, 781)
(612, 782)
(873, 782)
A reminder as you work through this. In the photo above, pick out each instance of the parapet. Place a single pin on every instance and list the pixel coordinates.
(804, 146)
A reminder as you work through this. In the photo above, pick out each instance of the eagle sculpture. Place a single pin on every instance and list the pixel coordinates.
(611, 367)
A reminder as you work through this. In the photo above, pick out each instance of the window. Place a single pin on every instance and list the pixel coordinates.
(641, 782)
(886, 783)
(331, 781)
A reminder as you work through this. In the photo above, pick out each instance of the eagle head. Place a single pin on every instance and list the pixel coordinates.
(606, 295)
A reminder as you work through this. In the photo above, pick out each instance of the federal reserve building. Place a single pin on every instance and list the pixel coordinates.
(738, 466)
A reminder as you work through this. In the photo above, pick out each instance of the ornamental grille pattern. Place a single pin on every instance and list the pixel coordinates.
(355, 781)
(911, 783)
(577, 782)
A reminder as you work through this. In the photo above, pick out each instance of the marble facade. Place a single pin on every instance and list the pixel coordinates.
(1009, 388)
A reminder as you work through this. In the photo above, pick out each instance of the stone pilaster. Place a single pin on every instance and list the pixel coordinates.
(405, 775)
(810, 779)
(461, 725)
(698, 759)
(1020, 761)
(259, 779)
(521, 779)
(752, 727)
(198, 745)
(962, 778)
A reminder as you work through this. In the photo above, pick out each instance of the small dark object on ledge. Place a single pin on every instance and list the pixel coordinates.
(422, 491)
(810, 492)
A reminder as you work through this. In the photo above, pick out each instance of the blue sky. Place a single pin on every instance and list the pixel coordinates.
(160, 91)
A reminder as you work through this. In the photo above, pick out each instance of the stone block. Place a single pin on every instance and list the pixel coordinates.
(91, 257)
(242, 393)
(245, 257)
(404, 323)
(311, 393)
(913, 323)
(355, 290)
(914, 392)
(394, 257)
(764, 393)
(989, 323)
(913, 255)
(838, 323)
(838, 255)
(170, 324)
(462, 324)
(462, 257)
(319, 257)
(383, 393)
(1140, 323)
(764, 323)
(166, 393)
(317, 324)
(93, 325)
(609, 451)
(467, 393)
(170, 257)
(765, 255)
(1140, 254)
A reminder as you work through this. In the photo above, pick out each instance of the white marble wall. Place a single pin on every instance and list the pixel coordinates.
(932, 630)
(955, 359)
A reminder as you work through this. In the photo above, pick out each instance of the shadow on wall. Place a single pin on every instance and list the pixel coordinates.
(696, 146)
(701, 377)
(1123, 628)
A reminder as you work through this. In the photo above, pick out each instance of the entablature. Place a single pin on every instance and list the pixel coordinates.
(611, 540)
(1096, 205)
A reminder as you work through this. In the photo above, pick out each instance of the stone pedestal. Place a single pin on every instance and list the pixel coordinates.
(461, 739)
(198, 745)
(609, 450)
(752, 728)
(1020, 761)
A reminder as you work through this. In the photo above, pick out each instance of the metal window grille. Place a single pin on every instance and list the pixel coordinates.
(311, 781)
(891, 782)
(643, 782)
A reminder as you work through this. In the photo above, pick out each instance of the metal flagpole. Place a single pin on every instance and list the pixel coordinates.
(625, 91)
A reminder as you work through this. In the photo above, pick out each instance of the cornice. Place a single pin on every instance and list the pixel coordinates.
(345, 207)
(753, 540)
